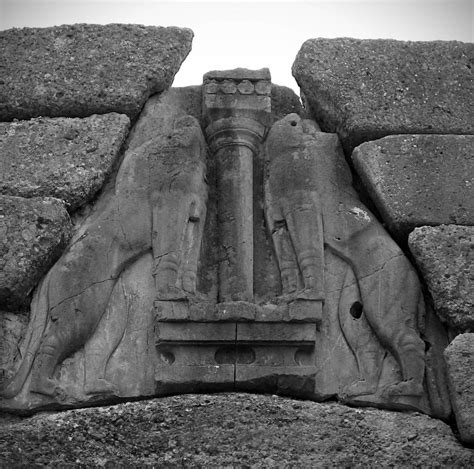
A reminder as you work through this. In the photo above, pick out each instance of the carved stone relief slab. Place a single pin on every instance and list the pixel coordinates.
(329, 244)
(161, 289)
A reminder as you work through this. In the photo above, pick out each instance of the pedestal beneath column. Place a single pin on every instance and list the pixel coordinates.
(237, 346)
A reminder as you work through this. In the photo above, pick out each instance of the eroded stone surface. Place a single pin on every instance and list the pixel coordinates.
(83, 69)
(231, 430)
(33, 233)
(366, 89)
(158, 205)
(331, 248)
(12, 327)
(417, 180)
(236, 115)
(445, 257)
(64, 158)
(460, 363)
(116, 316)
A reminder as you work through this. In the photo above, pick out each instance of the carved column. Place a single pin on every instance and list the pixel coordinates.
(236, 111)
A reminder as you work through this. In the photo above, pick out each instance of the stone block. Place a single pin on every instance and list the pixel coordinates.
(180, 379)
(60, 157)
(276, 332)
(460, 363)
(196, 332)
(83, 69)
(306, 310)
(417, 180)
(366, 89)
(33, 233)
(444, 256)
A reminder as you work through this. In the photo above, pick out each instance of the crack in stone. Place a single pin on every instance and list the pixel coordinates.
(81, 292)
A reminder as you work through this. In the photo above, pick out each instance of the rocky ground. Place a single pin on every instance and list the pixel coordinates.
(239, 430)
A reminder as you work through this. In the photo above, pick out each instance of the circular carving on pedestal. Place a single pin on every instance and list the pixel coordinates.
(304, 357)
(166, 355)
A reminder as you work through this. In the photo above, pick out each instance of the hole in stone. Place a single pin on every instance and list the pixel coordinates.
(304, 357)
(166, 356)
(294, 123)
(356, 310)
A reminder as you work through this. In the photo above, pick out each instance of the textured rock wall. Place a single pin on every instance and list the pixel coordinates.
(83, 69)
(403, 111)
(90, 81)
(366, 89)
(67, 96)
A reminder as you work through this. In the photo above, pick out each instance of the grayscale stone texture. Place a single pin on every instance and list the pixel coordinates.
(445, 256)
(460, 363)
(65, 158)
(33, 233)
(417, 180)
(145, 292)
(364, 89)
(83, 69)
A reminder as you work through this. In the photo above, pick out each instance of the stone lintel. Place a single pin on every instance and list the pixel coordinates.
(238, 74)
(298, 311)
(221, 333)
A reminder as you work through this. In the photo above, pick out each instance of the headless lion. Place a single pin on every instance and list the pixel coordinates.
(158, 205)
(311, 206)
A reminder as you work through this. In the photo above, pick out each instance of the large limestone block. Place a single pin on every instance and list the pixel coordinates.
(366, 89)
(417, 180)
(460, 362)
(60, 157)
(445, 257)
(230, 430)
(33, 233)
(83, 69)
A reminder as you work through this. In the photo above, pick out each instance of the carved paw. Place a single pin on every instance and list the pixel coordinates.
(101, 386)
(360, 387)
(49, 387)
(403, 388)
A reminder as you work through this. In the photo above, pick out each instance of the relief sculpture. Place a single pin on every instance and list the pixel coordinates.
(158, 205)
(119, 314)
(312, 209)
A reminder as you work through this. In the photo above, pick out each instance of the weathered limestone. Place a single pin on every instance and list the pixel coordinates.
(460, 363)
(158, 205)
(366, 89)
(79, 70)
(444, 255)
(236, 112)
(331, 248)
(12, 328)
(417, 180)
(235, 345)
(255, 267)
(33, 233)
(60, 157)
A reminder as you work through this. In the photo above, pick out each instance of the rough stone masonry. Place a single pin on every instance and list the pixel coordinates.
(222, 237)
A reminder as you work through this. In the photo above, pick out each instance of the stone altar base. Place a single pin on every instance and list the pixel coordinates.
(237, 346)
